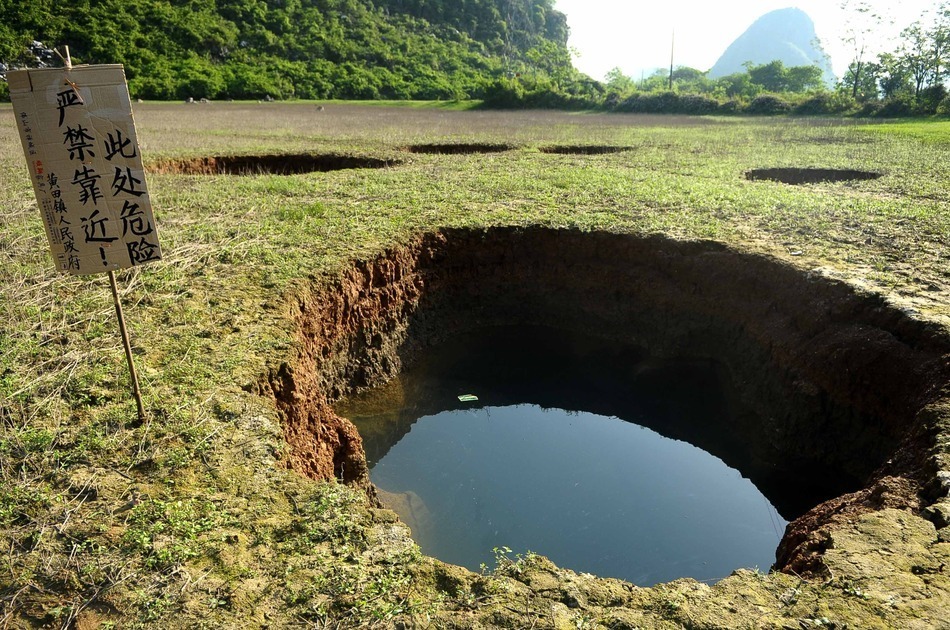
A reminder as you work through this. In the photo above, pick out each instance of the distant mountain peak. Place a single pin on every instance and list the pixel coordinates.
(787, 35)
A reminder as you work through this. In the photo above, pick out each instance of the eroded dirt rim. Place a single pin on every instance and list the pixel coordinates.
(848, 378)
(796, 176)
(266, 164)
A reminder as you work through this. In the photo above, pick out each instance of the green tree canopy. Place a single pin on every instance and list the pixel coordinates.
(298, 48)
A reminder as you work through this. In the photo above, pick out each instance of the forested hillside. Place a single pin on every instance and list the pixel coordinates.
(364, 49)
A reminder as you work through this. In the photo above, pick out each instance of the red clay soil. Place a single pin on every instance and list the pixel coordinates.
(837, 375)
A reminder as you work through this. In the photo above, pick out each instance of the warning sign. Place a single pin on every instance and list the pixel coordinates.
(80, 144)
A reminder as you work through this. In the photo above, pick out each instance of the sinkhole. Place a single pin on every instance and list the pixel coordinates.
(798, 176)
(291, 164)
(584, 149)
(458, 148)
(604, 458)
(632, 406)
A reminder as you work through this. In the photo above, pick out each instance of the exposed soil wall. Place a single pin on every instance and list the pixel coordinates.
(834, 375)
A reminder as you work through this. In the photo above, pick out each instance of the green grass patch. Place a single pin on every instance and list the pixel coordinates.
(935, 131)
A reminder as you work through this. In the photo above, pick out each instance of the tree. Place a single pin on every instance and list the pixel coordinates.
(861, 81)
(939, 35)
(619, 83)
(914, 54)
(863, 22)
(688, 79)
(738, 85)
(892, 76)
(803, 78)
(299, 48)
(771, 76)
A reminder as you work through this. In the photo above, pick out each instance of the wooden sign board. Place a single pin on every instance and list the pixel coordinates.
(84, 160)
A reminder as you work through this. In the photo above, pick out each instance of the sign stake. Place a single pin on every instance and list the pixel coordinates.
(128, 346)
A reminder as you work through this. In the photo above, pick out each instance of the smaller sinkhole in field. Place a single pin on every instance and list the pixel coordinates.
(592, 453)
(458, 148)
(294, 164)
(589, 149)
(797, 176)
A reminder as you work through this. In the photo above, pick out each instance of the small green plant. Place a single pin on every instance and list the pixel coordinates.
(167, 533)
(329, 516)
(852, 589)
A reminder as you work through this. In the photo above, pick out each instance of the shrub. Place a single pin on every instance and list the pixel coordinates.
(730, 107)
(245, 81)
(930, 99)
(504, 94)
(896, 107)
(613, 101)
(868, 109)
(198, 78)
(697, 104)
(943, 109)
(768, 105)
(156, 81)
(824, 103)
(651, 103)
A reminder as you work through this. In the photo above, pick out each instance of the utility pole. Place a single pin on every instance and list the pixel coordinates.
(672, 42)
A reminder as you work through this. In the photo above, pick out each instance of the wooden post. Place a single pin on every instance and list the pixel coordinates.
(128, 346)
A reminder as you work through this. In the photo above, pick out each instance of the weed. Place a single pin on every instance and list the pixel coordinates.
(329, 516)
(166, 533)
(506, 564)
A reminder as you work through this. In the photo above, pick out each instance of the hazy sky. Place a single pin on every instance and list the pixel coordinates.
(635, 36)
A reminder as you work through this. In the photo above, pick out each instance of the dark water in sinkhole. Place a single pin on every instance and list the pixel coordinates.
(581, 450)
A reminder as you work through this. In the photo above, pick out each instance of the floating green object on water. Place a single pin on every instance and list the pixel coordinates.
(468, 397)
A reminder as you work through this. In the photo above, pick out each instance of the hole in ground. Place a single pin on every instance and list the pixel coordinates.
(809, 175)
(827, 380)
(591, 149)
(457, 149)
(266, 164)
(609, 460)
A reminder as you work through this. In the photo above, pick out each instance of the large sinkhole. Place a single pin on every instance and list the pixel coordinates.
(277, 164)
(798, 176)
(636, 407)
(447, 148)
(609, 460)
(583, 149)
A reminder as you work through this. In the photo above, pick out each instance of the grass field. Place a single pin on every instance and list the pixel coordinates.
(188, 518)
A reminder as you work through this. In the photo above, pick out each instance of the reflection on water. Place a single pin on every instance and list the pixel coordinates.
(555, 457)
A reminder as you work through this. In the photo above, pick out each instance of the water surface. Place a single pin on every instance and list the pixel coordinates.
(575, 449)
